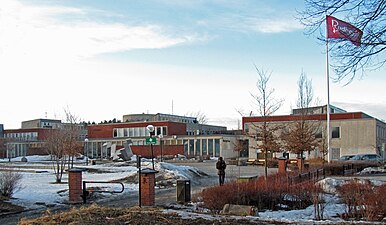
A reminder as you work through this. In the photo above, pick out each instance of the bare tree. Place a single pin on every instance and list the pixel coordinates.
(72, 129)
(55, 146)
(201, 117)
(301, 135)
(265, 132)
(63, 144)
(368, 16)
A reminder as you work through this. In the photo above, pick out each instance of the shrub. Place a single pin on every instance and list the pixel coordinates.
(363, 200)
(10, 182)
(271, 193)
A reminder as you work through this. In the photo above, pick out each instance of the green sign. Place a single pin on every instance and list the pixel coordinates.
(152, 140)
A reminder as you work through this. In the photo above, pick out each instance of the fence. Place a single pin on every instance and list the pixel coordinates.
(313, 176)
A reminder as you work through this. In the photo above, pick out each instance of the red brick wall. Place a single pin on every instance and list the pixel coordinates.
(106, 130)
(147, 189)
(75, 186)
(145, 150)
(3, 150)
(37, 151)
(42, 132)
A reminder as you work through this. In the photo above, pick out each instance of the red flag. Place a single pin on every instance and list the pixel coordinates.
(340, 29)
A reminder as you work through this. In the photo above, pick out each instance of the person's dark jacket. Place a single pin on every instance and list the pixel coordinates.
(220, 166)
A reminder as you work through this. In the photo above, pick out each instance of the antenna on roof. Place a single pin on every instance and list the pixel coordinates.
(172, 108)
(46, 114)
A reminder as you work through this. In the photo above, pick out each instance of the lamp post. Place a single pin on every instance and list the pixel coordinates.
(160, 140)
(86, 150)
(150, 128)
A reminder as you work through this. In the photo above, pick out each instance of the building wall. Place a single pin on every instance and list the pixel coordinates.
(359, 133)
(158, 117)
(1, 130)
(41, 123)
(107, 130)
(167, 150)
(42, 133)
(356, 136)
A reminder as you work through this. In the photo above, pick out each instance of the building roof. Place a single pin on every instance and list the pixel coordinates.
(333, 116)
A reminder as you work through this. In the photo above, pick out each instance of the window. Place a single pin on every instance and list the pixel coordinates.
(204, 147)
(142, 131)
(186, 148)
(335, 153)
(120, 132)
(198, 147)
(335, 132)
(216, 147)
(246, 128)
(136, 132)
(191, 147)
(318, 133)
(164, 131)
(115, 133)
(210, 147)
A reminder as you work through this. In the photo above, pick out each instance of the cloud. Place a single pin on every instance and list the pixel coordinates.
(274, 25)
(34, 31)
(376, 110)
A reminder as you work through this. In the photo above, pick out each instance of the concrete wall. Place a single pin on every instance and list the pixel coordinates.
(356, 136)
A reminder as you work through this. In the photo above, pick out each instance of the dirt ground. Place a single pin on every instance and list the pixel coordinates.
(97, 215)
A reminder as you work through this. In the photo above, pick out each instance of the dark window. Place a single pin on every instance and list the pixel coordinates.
(318, 134)
(335, 132)
(158, 130)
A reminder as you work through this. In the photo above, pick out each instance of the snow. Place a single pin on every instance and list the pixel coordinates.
(332, 209)
(38, 178)
(32, 158)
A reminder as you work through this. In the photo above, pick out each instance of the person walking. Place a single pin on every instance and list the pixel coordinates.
(220, 166)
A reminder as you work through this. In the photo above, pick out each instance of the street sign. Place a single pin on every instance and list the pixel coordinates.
(151, 140)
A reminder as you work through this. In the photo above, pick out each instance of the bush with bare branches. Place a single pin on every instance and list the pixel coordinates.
(363, 200)
(10, 182)
(272, 193)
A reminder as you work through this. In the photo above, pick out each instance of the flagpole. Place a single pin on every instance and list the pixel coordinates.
(328, 98)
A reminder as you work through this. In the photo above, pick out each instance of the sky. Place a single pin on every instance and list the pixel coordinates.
(105, 59)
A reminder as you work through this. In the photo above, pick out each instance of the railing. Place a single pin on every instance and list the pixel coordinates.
(314, 176)
(86, 193)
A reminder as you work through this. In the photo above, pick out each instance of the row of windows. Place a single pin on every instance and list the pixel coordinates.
(202, 147)
(15, 150)
(26, 136)
(335, 132)
(381, 132)
(138, 132)
(191, 147)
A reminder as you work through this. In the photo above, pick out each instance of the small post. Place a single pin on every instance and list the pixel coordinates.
(282, 166)
(148, 187)
(139, 180)
(75, 185)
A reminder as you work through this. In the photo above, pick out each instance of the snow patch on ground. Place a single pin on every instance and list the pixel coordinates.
(38, 188)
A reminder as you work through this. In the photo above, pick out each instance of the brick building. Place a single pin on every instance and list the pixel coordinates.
(30, 138)
(350, 132)
(171, 139)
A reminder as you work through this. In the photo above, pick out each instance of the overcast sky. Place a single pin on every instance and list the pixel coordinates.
(105, 59)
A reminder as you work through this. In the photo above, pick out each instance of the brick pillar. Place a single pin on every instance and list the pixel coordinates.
(148, 187)
(300, 164)
(75, 185)
(282, 166)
